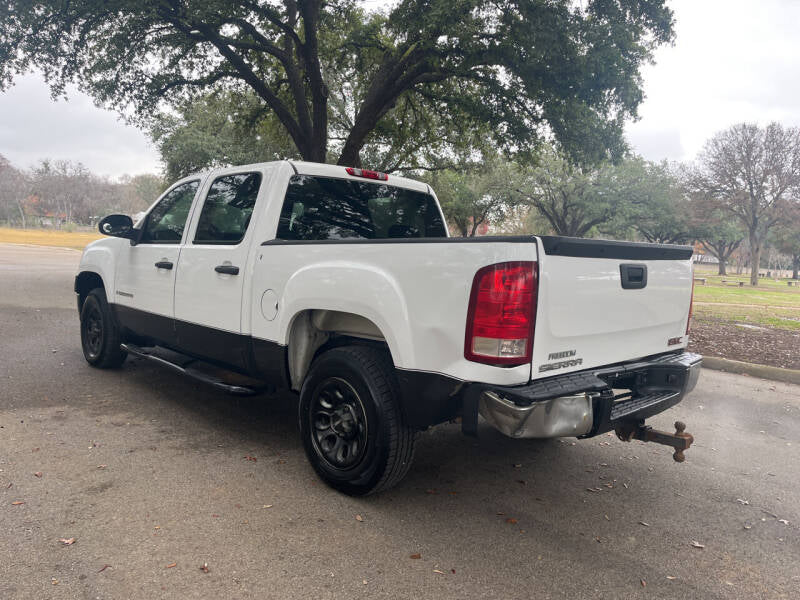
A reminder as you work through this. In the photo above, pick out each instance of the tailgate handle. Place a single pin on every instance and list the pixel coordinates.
(633, 276)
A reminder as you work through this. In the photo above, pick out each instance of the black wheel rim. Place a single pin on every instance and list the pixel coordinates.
(93, 331)
(338, 423)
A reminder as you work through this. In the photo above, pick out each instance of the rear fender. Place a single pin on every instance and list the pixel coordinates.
(363, 290)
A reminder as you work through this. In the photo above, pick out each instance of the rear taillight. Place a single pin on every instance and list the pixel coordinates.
(502, 313)
(366, 173)
(691, 304)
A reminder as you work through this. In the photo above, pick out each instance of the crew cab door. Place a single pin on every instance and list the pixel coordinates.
(213, 267)
(145, 275)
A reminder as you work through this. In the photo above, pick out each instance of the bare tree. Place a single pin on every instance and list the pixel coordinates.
(751, 172)
(13, 187)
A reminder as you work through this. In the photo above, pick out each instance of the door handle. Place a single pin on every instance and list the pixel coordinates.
(227, 269)
(164, 264)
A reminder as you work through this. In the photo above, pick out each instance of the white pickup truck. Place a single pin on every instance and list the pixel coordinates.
(343, 285)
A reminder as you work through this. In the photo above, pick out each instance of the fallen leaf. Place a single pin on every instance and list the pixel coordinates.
(54, 581)
(416, 556)
(517, 466)
(511, 520)
(784, 521)
(37, 474)
(430, 491)
(35, 450)
(67, 541)
(438, 571)
(697, 544)
(252, 458)
(104, 568)
(643, 523)
(644, 583)
(267, 506)
(359, 518)
(17, 503)
(101, 466)
(741, 501)
(747, 526)
(671, 577)
(8, 487)
(364, 581)
(170, 565)
(204, 568)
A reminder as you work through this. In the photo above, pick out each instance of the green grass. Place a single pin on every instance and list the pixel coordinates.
(47, 237)
(763, 282)
(764, 294)
(774, 318)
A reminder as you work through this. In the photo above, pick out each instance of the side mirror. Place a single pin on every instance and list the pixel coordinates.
(117, 226)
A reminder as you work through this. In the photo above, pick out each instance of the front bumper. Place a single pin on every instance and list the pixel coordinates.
(585, 403)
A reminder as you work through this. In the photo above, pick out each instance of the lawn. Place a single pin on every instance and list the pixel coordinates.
(769, 292)
(774, 318)
(48, 237)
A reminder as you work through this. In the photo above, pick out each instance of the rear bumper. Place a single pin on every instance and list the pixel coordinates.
(586, 403)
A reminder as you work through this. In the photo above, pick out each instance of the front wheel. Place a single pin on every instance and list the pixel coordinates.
(100, 336)
(350, 421)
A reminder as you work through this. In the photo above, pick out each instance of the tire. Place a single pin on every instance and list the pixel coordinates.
(100, 334)
(350, 421)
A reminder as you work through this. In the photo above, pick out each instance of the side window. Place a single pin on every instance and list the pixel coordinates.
(165, 223)
(227, 209)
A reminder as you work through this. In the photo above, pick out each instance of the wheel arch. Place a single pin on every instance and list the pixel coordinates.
(312, 331)
(85, 282)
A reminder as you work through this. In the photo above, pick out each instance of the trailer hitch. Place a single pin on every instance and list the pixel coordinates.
(678, 440)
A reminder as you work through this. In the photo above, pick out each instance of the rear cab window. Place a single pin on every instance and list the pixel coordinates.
(326, 208)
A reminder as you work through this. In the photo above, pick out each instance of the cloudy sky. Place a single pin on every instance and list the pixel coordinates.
(733, 60)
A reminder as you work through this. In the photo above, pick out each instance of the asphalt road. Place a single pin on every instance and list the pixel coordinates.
(154, 476)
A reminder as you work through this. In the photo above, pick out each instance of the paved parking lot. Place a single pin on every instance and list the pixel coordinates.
(154, 476)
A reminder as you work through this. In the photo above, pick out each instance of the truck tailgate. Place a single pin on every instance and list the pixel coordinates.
(602, 302)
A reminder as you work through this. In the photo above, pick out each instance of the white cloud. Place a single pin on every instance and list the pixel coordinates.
(732, 61)
(33, 127)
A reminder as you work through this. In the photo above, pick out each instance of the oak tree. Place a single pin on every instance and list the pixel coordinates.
(338, 76)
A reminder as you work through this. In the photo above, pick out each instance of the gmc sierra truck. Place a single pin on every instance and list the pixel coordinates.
(343, 285)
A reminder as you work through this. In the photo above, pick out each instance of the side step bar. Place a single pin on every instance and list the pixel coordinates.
(194, 373)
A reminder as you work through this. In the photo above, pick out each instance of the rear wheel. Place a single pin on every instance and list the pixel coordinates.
(350, 421)
(100, 335)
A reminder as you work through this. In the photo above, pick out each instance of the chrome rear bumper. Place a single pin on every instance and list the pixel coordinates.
(585, 403)
(560, 417)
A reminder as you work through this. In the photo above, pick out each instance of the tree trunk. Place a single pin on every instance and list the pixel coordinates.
(722, 265)
(755, 258)
(795, 266)
(21, 214)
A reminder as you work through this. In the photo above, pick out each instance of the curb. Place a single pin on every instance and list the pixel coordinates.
(754, 370)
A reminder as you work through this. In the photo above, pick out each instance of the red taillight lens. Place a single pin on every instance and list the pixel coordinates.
(366, 173)
(502, 313)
